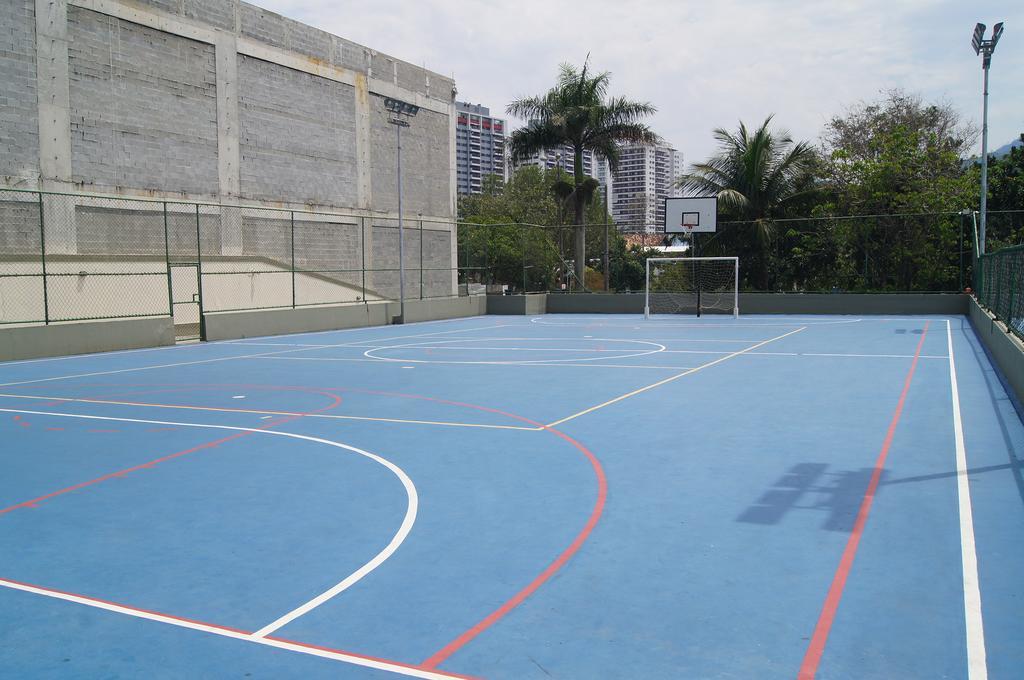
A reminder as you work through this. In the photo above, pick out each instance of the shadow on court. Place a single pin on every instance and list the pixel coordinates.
(810, 487)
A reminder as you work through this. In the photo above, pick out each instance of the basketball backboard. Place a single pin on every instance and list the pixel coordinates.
(689, 215)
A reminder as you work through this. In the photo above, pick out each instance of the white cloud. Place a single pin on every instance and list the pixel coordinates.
(703, 64)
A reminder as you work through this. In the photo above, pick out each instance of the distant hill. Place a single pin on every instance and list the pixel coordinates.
(1005, 149)
(998, 153)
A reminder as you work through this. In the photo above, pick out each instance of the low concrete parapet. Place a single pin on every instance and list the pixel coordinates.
(853, 303)
(531, 303)
(265, 322)
(596, 303)
(1006, 349)
(84, 337)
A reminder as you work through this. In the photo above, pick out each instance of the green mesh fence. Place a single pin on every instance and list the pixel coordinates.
(928, 252)
(1000, 286)
(75, 257)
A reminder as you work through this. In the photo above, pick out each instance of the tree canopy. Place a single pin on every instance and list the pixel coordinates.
(578, 112)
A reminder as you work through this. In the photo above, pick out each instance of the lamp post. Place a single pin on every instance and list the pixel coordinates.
(985, 48)
(400, 113)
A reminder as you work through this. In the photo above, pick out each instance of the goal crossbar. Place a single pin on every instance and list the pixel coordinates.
(691, 285)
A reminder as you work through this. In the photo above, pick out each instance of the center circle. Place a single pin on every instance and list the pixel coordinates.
(648, 348)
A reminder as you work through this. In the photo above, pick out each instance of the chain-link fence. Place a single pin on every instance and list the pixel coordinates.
(75, 257)
(1000, 286)
(929, 252)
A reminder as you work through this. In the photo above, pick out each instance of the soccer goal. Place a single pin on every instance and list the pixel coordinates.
(692, 285)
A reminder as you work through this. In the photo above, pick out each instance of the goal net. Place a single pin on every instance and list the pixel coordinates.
(692, 285)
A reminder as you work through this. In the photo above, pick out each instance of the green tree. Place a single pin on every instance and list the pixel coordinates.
(901, 162)
(577, 112)
(756, 175)
(1006, 199)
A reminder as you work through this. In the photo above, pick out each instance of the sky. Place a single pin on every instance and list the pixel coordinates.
(704, 64)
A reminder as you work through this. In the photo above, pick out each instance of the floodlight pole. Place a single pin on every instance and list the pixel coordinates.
(401, 229)
(984, 153)
(985, 48)
(399, 109)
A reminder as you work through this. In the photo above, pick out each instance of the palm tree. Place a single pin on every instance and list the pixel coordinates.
(576, 112)
(755, 176)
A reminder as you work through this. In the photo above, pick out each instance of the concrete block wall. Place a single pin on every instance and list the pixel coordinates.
(19, 108)
(425, 151)
(220, 101)
(143, 106)
(297, 135)
(19, 230)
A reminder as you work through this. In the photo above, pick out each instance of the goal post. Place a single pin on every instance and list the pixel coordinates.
(692, 285)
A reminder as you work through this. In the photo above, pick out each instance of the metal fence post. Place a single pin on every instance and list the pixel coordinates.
(199, 275)
(421, 258)
(292, 218)
(998, 281)
(167, 262)
(362, 254)
(524, 259)
(42, 260)
(607, 264)
(1013, 291)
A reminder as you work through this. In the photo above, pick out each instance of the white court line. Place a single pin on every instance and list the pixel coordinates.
(226, 342)
(872, 356)
(227, 632)
(207, 361)
(640, 322)
(67, 357)
(362, 343)
(554, 363)
(412, 502)
(673, 377)
(428, 345)
(146, 368)
(977, 667)
(377, 345)
(329, 416)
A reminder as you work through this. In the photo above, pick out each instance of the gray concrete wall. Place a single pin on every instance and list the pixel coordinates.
(297, 135)
(215, 101)
(234, 325)
(852, 303)
(201, 99)
(535, 303)
(750, 303)
(426, 171)
(622, 303)
(33, 342)
(441, 308)
(19, 132)
(1005, 348)
(143, 106)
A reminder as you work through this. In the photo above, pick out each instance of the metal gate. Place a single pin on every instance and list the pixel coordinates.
(186, 300)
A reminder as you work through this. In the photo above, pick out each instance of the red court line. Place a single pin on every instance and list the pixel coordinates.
(335, 401)
(442, 654)
(812, 658)
(602, 492)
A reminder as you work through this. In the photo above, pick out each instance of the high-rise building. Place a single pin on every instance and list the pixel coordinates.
(646, 175)
(603, 175)
(563, 157)
(479, 147)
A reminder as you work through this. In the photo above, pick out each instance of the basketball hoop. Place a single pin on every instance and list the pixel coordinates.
(691, 215)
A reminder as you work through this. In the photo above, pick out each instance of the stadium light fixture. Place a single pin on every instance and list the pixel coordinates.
(400, 112)
(985, 48)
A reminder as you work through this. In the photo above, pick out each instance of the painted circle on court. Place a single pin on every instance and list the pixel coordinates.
(648, 348)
